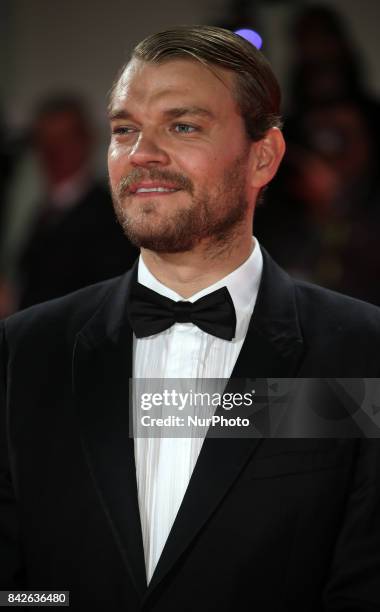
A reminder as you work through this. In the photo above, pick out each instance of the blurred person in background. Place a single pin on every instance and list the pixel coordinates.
(64, 250)
(326, 65)
(326, 196)
(326, 202)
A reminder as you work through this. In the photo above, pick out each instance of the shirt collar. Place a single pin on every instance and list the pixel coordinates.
(242, 284)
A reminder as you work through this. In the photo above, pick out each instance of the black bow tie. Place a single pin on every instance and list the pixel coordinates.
(151, 313)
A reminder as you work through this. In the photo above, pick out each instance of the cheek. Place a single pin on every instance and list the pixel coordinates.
(212, 171)
(116, 165)
(200, 170)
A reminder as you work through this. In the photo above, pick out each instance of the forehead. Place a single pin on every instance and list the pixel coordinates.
(177, 80)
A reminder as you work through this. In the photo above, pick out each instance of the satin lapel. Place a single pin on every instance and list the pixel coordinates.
(219, 465)
(102, 366)
(272, 348)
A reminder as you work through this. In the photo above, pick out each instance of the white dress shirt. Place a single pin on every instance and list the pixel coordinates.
(164, 465)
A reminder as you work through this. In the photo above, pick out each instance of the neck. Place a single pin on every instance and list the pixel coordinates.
(189, 272)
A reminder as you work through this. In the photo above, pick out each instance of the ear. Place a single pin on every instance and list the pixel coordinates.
(267, 154)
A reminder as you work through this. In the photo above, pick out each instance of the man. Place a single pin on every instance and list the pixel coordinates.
(61, 253)
(206, 524)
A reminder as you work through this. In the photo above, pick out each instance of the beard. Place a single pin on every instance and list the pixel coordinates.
(212, 215)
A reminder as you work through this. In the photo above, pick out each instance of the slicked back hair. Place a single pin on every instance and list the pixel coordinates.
(257, 91)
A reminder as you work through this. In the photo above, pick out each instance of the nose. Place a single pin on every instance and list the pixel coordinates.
(147, 152)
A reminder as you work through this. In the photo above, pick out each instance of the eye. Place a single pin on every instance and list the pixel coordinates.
(123, 130)
(184, 128)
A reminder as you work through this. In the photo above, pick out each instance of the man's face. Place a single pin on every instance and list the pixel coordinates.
(63, 144)
(178, 157)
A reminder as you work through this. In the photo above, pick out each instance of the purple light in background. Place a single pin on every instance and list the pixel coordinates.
(253, 37)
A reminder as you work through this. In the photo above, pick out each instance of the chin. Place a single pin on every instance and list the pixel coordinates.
(163, 240)
(162, 233)
(161, 244)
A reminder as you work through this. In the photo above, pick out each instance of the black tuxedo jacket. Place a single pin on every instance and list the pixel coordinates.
(265, 524)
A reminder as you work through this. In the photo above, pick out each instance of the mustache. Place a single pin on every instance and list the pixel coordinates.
(179, 181)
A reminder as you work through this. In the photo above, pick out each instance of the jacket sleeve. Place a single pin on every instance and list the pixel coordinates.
(354, 582)
(11, 566)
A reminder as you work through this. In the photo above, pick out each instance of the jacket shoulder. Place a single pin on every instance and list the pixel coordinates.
(322, 311)
(63, 316)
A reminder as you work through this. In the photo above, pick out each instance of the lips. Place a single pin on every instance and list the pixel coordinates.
(138, 188)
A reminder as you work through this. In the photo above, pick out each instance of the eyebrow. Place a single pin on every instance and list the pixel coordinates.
(175, 113)
(171, 113)
(118, 114)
